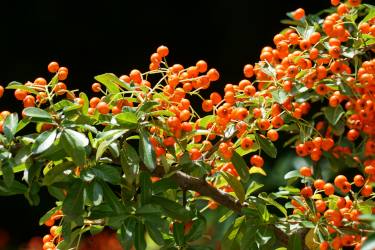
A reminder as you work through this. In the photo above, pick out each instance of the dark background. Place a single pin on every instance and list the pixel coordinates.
(117, 36)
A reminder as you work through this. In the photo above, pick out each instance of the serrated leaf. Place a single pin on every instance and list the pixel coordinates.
(44, 141)
(266, 145)
(236, 185)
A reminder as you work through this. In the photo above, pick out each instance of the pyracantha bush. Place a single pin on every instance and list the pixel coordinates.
(141, 159)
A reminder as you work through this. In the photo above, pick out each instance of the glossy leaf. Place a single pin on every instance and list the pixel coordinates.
(73, 203)
(240, 166)
(266, 145)
(38, 115)
(74, 144)
(146, 151)
(236, 185)
(44, 141)
(10, 126)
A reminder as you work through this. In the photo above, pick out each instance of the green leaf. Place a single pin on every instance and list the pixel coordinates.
(15, 188)
(371, 13)
(279, 95)
(18, 85)
(107, 173)
(110, 81)
(240, 166)
(139, 236)
(262, 210)
(178, 233)
(148, 106)
(95, 193)
(7, 170)
(155, 233)
(56, 174)
(44, 141)
(74, 144)
(236, 185)
(256, 170)
(274, 203)
(85, 99)
(126, 232)
(172, 209)
(369, 243)
(10, 126)
(333, 115)
(48, 215)
(266, 145)
(295, 242)
(104, 144)
(110, 198)
(234, 230)
(254, 186)
(146, 151)
(73, 205)
(38, 115)
(292, 174)
(197, 229)
(203, 122)
(127, 119)
(129, 162)
(145, 184)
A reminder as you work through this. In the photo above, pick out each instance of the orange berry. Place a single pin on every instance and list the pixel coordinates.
(195, 154)
(53, 67)
(257, 161)
(319, 184)
(359, 181)
(306, 192)
(96, 87)
(207, 105)
(248, 70)
(329, 189)
(298, 14)
(273, 135)
(20, 94)
(201, 66)
(305, 171)
(163, 51)
(366, 190)
(103, 108)
(246, 143)
(213, 75)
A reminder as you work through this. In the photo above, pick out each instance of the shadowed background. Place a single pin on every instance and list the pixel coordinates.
(117, 36)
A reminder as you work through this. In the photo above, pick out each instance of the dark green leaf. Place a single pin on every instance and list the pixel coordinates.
(111, 199)
(274, 203)
(240, 166)
(38, 115)
(106, 140)
(155, 234)
(146, 107)
(266, 145)
(10, 126)
(44, 141)
(370, 242)
(15, 188)
(129, 162)
(56, 174)
(172, 209)
(126, 232)
(73, 203)
(139, 236)
(7, 170)
(178, 233)
(295, 242)
(197, 230)
(107, 173)
(333, 115)
(146, 151)
(74, 144)
(146, 184)
(235, 184)
(95, 193)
